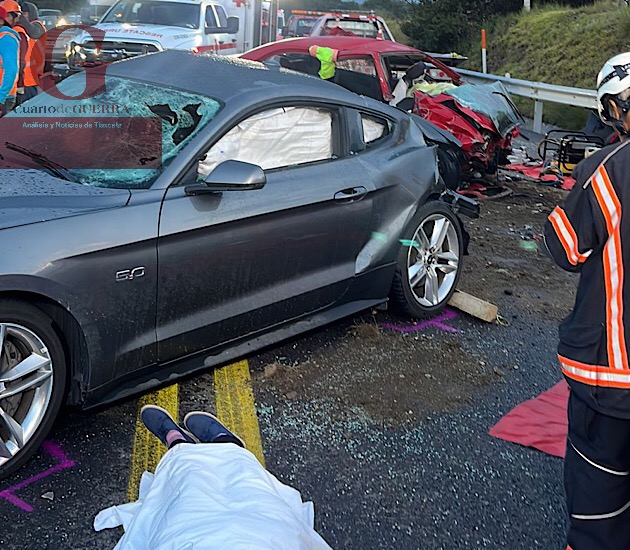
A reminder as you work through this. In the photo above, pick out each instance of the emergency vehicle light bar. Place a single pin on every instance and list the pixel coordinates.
(360, 14)
(307, 12)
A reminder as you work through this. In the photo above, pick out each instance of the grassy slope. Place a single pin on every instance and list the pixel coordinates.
(557, 45)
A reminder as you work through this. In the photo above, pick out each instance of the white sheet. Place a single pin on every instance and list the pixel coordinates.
(214, 496)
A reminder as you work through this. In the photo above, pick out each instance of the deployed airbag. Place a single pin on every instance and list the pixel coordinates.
(274, 138)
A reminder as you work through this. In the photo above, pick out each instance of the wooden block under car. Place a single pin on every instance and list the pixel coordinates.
(474, 306)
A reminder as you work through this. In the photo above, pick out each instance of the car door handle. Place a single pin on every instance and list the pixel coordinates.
(351, 194)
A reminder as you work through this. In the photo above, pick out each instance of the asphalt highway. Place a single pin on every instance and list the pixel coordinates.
(433, 479)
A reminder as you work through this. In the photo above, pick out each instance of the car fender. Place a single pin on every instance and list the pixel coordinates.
(57, 302)
(406, 180)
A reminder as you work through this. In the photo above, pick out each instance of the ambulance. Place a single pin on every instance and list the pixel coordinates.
(130, 28)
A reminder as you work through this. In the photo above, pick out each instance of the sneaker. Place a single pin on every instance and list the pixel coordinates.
(160, 423)
(208, 429)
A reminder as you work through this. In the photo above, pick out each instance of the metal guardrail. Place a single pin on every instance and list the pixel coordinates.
(538, 91)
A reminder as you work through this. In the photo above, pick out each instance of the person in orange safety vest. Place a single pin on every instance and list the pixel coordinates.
(9, 59)
(32, 65)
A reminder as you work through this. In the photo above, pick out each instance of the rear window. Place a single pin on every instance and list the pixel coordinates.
(365, 29)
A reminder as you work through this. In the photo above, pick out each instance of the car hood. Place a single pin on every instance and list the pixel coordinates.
(32, 196)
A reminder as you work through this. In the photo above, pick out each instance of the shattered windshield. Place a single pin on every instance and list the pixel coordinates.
(492, 100)
(172, 14)
(123, 137)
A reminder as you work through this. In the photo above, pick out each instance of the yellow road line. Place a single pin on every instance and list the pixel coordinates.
(147, 449)
(235, 405)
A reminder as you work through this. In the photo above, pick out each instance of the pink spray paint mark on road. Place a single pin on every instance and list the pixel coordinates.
(437, 322)
(53, 450)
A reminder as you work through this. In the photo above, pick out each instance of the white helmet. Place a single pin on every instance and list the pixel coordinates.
(613, 79)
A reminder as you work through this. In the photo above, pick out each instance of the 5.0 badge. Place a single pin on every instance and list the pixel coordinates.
(130, 274)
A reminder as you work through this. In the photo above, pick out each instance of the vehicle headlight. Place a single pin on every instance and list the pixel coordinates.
(61, 22)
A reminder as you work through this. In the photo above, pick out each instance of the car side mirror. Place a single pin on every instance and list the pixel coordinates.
(231, 27)
(285, 32)
(230, 175)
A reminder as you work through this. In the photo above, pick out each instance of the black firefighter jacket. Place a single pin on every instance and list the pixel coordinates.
(590, 234)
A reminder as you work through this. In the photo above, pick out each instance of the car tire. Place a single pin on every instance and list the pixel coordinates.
(32, 382)
(450, 167)
(429, 263)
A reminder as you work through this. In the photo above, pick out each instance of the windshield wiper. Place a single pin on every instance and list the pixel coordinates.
(44, 162)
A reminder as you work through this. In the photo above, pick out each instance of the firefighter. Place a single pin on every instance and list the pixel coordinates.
(33, 61)
(588, 234)
(9, 59)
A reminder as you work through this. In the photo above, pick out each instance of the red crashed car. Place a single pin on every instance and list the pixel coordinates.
(482, 117)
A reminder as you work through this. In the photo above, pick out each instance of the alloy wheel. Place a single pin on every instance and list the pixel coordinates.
(26, 383)
(433, 260)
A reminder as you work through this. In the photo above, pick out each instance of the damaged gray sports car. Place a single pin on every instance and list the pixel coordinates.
(268, 203)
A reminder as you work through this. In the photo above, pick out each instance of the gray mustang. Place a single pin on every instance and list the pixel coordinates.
(192, 209)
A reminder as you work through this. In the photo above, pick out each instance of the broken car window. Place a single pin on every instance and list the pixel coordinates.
(491, 100)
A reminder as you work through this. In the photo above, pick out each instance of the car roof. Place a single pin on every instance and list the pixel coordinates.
(345, 44)
(223, 78)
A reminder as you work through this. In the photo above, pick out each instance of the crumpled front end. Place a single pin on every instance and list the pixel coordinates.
(483, 118)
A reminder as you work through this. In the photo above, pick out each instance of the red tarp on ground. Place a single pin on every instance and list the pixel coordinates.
(540, 422)
(534, 172)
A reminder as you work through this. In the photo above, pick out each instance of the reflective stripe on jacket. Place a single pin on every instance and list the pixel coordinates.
(590, 233)
(9, 62)
(24, 40)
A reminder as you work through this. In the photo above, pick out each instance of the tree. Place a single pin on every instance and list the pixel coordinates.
(444, 25)
(437, 25)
